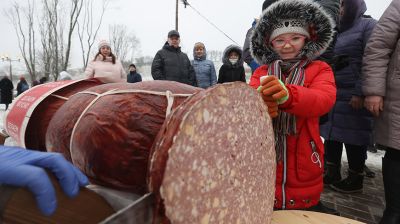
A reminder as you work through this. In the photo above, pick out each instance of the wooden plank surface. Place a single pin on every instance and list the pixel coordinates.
(19, 207)
(306, 217)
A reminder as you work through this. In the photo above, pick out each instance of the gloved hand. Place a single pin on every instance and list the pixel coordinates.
(24, 168)
(272, 106)
(272, 86)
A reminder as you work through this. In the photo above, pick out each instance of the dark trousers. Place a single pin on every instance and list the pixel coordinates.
(356, 154)
(391, 153)
(391, 183)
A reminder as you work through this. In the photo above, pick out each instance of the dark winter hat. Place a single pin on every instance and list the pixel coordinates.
(316, 21)
(267, 3)
(132, 65)
(173, 33)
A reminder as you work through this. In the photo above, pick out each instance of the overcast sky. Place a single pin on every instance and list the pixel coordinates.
(151, 20)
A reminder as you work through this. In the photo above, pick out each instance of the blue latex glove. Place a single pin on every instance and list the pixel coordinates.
(25, 168)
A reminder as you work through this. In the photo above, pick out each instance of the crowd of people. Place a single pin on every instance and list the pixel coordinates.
(323, 68)
(7, 88)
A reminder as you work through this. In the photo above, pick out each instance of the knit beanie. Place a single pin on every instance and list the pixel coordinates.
(267, 3)
(289, 26)
(103, 43)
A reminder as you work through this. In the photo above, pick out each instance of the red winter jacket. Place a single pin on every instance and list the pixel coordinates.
(302, 185)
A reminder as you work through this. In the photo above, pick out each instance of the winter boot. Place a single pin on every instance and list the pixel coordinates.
(332, 173)
(352, 184)
(391, 183)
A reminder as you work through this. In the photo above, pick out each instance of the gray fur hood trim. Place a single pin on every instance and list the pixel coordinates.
(319, 22)
(229, 49)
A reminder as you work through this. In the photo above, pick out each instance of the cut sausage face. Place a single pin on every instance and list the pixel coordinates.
(214, 159)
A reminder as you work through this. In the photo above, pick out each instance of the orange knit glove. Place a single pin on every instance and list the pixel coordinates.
(272, 108)
(272, 86)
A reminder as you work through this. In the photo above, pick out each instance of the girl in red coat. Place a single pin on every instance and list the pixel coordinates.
(297, 90)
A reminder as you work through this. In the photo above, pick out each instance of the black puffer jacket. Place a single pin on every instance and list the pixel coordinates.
(172, 64)
(6, 87)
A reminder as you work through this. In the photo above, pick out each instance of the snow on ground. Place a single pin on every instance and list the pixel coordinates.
(374, 159)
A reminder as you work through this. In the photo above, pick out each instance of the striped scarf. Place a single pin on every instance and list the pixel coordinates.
(285, 123)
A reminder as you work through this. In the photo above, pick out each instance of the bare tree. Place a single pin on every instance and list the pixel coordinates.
(56, 46)
(134, 46)
(123, 42)
(215, 56)
(55, 28)
(23, 23)
(44, 55)
(50, 37)
(74, 15)
(142, 61)
(88, 28)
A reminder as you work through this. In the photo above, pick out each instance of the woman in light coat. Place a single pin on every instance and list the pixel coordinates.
(381, 86)
(205, 70)
(105, 66)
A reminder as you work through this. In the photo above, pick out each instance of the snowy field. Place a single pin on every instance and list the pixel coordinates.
(374, 159)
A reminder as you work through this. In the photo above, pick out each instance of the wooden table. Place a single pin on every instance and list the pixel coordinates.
(306, 217)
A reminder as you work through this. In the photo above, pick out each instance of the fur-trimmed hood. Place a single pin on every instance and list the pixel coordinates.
(320, 26)
(229, 49)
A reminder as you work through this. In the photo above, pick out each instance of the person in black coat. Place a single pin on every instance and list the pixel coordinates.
(232, 69)
(6, 87)
(133, 76)
(349, 124)
(170, 63)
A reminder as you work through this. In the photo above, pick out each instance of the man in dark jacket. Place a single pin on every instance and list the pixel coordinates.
(133, 76)
(170, 63)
